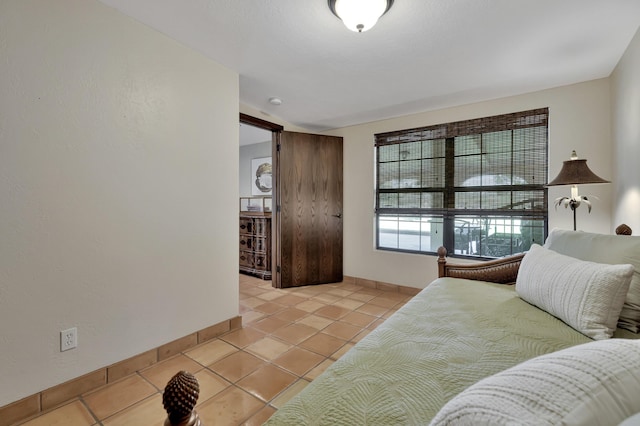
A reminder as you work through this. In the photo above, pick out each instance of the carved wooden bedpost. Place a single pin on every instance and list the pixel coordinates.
(623, 229)
(442, 261)
(179, 397)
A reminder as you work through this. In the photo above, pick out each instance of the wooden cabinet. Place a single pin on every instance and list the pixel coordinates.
(255, 244)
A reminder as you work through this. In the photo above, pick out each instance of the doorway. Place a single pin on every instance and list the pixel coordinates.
(306, 225)
(256, 198)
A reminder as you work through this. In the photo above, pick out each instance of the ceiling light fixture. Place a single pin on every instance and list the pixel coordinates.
(275, 101)
(359, 15)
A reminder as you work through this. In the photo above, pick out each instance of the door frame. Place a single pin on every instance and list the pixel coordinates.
(258, 122)
(275, 129)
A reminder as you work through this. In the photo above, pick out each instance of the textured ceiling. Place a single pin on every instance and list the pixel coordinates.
(422, 55)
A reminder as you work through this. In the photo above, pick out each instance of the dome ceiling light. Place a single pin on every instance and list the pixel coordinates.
(359, 15)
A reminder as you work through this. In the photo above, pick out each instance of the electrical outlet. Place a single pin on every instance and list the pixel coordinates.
(68, 339)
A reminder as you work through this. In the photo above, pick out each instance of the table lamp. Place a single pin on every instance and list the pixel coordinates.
(575, 172)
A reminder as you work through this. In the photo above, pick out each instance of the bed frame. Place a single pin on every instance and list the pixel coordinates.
(502, 271)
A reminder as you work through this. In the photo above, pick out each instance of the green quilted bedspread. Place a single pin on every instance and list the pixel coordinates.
(452, 334)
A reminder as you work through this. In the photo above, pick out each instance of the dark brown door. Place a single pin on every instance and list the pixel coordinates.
(308, 213)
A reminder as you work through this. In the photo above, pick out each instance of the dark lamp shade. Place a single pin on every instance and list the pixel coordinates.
(576, 172)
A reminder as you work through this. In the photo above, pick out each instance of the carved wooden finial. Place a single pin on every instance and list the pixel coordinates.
(179, 397)
(623, 230)
(442, 261)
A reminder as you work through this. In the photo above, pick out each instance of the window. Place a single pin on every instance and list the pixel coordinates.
(476, 187)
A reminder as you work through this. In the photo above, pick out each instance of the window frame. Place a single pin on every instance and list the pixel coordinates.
(448, 212)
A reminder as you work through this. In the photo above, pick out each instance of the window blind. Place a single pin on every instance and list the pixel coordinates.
(482, 171)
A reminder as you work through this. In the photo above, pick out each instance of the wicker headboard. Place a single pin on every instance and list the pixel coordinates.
(502, 271)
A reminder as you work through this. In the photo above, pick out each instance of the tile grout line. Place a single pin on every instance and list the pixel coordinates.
(337, 296)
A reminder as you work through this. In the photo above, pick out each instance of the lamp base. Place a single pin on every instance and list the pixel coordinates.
(574, 206)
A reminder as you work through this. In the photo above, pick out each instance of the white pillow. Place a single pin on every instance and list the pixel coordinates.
(595, 383)
(632, 421)
(602, 248)
(587, 296)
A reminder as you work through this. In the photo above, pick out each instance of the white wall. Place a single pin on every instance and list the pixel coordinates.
(579, 119)
(247, 153)
(115, 190)
(625, 121)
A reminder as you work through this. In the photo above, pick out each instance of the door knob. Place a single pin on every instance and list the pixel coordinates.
(339, 215)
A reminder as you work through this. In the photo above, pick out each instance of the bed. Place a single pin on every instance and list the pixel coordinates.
(458, 332)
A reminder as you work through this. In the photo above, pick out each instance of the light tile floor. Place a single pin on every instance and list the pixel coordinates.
(289, 337)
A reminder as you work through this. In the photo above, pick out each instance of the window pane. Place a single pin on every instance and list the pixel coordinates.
(388, 175)
(467, 236)
(388, 231)
(529, 156)
(432, 200)
(496, 200)
(531, 232)
(388, 153)
(410, 172)
(433, 173)
(495, 236)
(410, 200)
(410, 151)
(496, 142)
(529, 200)
(468, 200)
(434, 148)
(467, 145)
(468, 171)
(496, 169)
(388, 200)
(412, 233)
(501, 200)
(530, 138)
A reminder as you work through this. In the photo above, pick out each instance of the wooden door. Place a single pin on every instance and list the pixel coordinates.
(308, 212)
